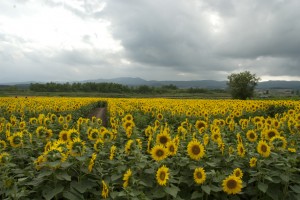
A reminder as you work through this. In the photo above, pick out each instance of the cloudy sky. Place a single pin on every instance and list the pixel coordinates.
(72, 40)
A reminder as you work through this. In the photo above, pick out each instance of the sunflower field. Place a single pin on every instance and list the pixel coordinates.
(150, 149)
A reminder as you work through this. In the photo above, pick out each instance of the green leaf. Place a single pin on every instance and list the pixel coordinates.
(211, 164)
(173, 190)
(149, 171)
(44, 173)
(262, 187)
(215, 188)
(274, 191)
(196, 195)
(49, 193)
(83, 185)
(284, 177)
(115, 177)
(72, 195)
(63, 176)
(295, 188)
(206, 189)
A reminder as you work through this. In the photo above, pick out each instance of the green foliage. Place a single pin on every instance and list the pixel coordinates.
(272, 110)
(242, 85)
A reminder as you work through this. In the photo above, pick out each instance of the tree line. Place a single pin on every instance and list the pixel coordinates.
(111, 88)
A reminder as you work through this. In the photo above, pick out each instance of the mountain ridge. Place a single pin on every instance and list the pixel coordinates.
(206, 84)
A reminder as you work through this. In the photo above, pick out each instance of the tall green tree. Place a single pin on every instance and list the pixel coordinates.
(242, 85)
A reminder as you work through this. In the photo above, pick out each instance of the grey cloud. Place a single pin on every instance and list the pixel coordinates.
(176, 35)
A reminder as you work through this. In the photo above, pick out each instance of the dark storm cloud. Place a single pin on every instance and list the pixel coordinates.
(177, 34)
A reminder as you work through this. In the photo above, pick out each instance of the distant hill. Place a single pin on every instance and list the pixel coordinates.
(206, 84)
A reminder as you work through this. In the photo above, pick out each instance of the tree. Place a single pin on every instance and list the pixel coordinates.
(242, 85)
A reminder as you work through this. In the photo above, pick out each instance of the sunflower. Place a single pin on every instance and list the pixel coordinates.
(200, 125)
(127, 124)
(215, 136)
(163, 138)
(53, 118)
(105, 190)
(4, 157)
(239, 138)
(73, 134)
(126, 177)
(199, 175)
(241, 150)
(292, 150)
(205, 139)
(22, 125)
(278, 142)
(33, 120)
(54, 155)
(128, 117)
(162, 175)
(43, 132)
(263, 148)
(172, 148)
(156, 124)
(238, 173)
(63, 135)
(39, 162)
(93, 134)
(61, 119)
(2, 145)
(159, 152)
(269, 134)
(128, 146)
(195, 150)
(16, 140)
(76, 147)
(276, 124)
(251, 136)
(252, 162)
(232, 185)
(112, 152)
(98, 144)
(159, 116)
(92, 162)
(148, 131)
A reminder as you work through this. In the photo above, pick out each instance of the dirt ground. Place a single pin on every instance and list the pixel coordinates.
(99, 113)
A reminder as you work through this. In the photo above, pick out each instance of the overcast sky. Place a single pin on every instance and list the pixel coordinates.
(73, 40)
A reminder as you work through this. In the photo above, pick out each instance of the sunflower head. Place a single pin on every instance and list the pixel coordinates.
(163, 138)
(73, 134)
(126, 177)
(263, 148)
(4, 158)
(232, 185)
(16, 140)
(2, 145)
(76, 147)
(251, 135)
(98, 145)
(159, 152)
(172, 148)
(278, 143)
(93, 134)
(238, 173)
(162, 175)
(241, 150)
(195, 150)
(200, 125)
(252, 162)
(159, 116)
(63, 135)
(199, 175)
(269, 134)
